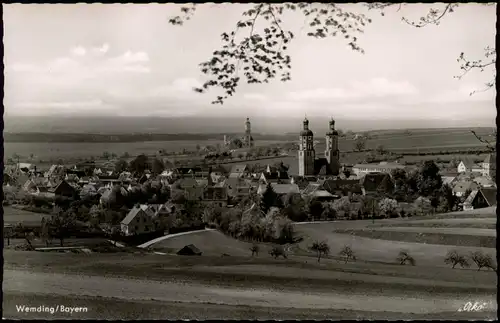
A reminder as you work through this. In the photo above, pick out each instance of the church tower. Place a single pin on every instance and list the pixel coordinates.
(247, 139)
(306, 151)
(332, 148)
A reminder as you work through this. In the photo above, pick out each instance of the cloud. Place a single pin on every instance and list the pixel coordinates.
(179, 88)
(134, 62)
(255, 97)
(131, 58)
(79, 51)
(101, 50)
(95, 106)
(375, 88)
(463, 94)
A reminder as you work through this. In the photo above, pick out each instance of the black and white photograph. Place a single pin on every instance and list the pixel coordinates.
(249, 161)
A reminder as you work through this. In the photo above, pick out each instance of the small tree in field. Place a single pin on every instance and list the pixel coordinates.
(321, 249)
(454, 258)
(255, 250)
(347, 254)
(483, 260)
(404, 257)
(277, 251)
(360, 143)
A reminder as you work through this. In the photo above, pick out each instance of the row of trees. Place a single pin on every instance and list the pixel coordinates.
(140, 164)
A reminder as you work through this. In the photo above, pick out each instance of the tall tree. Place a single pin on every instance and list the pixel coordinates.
(429, 179)
(157, 166)
(61, 225)
(121, 166)
(139, 164)
(269, 198)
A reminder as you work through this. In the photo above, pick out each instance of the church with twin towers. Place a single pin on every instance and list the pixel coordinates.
(309, 165)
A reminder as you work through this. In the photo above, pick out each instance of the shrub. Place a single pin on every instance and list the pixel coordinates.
(454, 258)
(277, 251)
(321, 248)
(255, 250)
(347, 254)
(404, 257)
(483, 260)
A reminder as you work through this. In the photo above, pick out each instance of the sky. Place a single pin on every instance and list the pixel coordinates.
(127, 60)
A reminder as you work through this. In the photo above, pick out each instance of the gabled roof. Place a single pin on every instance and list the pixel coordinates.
(239, 168)
(61, 184)
(321, 167)
(484, 181)
(469, 163)
(490, 195)
(471, 197)
(143, 209)
(280, 188)
(333, 185)
(311, 188)
(321, 193)
(463, 186)
(275, 175)
(300, 181)
(374, 181)
(189, 250)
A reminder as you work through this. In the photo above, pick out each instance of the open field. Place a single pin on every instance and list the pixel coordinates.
(367, 290)
(479, 223)
(423, 236)
(56, 151)
(373, 287)
(370, 245)
(224, 298)
(13, 216)
(423, 140)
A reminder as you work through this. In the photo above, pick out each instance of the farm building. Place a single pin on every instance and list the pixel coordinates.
(275, 175)
(239, 171)
(141, 219)
(490, 165)
(189, 250)
(449, 177)
(484, 181)
(483, 197)
(469, 166)
(382, 167)
(280, 189)
(463, 186)
(376, 183)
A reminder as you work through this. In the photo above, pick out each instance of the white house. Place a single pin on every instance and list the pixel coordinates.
(139, 220)
(382, 167)
(490, 165)
(469, 166)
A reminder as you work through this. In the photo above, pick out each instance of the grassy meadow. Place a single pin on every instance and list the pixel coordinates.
(398, 141)
(227, 276)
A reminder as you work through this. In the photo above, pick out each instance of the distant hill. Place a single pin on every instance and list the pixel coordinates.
(210, 125)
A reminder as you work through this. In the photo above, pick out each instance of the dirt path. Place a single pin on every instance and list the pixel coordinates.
(168, 236)
(463, 231)
(130, 289)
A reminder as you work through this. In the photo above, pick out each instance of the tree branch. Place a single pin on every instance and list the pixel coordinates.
(488, 144)
(433, 17)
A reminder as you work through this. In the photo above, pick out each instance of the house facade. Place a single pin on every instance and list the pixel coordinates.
(481, 198)
(469, 166)
(489, 166)
(139, 220)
